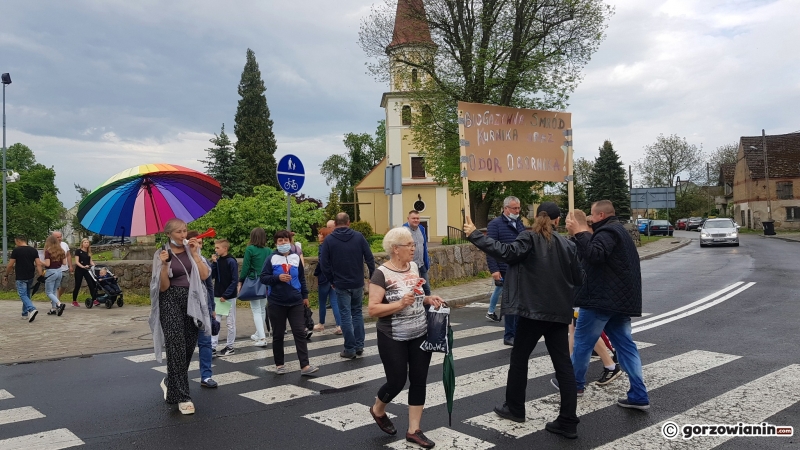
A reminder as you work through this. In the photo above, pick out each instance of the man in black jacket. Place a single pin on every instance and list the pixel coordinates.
(342, 256)
(543, 270)
(613, 295)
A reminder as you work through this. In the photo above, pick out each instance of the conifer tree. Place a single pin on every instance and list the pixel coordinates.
(223, 166)
(255, 145)
(608, 181)
(332, 208)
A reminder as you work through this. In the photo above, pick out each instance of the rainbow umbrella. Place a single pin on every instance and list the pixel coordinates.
(140, 200)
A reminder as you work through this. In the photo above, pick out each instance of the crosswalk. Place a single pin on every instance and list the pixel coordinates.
(45, 440)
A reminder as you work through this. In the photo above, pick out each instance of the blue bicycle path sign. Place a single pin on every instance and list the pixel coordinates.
(291, 174)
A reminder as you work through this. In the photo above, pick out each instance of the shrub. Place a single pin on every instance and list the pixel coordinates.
(376, 247)
(364, 228)
(375, 238)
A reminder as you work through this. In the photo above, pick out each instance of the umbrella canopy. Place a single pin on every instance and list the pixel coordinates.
(449, 375)
(140, 200)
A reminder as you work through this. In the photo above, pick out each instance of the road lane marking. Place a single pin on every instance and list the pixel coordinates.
(231, 377)
(753, 402)
(19, 415)
(445, 438)
(345, 418)
(694, 311)
(483, 381)
(267, 353)
(48, 440)
(278, 394)
(194, 365)
(4, 394)
(690, 305)
(657, 374)
(334, 358)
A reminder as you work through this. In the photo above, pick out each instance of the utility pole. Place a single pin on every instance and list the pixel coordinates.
(766, 173)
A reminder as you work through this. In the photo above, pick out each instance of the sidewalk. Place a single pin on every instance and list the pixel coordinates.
(81, 331)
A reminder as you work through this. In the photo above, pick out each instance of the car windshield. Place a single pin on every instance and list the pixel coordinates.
(641, 221)
(660, 222)
(718, 224)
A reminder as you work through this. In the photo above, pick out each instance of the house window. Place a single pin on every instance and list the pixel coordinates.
(417, 167)
(406, 114)
(784, 190)
(414, 75)
(793, 214)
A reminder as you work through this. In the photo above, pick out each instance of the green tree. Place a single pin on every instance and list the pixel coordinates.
(76, 223)
(724, 154)
(525, 53)
(608, 181)
(32, 206)
(667, 158)
(345, 171)
(223, 166)
(234, 218)
(255, 145)
(332, 208)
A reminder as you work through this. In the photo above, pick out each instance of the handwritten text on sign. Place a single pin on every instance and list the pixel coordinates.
(507, 144)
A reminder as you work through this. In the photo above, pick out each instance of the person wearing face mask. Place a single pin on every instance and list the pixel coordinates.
(504, 229)
(288, 295)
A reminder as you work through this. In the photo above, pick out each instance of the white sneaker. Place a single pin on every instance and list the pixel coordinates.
(254, 337)
(261, 343)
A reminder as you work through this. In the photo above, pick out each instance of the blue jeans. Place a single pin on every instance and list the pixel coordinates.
(51, 284)
(495, 298)
(204, 344)
(24, 291)
(427, 286)
(352, 318)
(591, 323)
(511, 326)
(327, 294)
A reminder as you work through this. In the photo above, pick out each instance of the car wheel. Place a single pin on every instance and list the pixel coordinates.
(702, 245)
(736, 244)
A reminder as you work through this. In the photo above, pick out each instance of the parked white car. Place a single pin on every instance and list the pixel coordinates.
(719, 232)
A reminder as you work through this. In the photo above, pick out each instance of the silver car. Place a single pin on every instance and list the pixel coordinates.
(719, 232)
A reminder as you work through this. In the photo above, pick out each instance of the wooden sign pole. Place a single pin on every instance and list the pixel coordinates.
(464, 165)
(570, 171)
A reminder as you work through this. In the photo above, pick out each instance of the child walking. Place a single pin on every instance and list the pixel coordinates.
(225, 272)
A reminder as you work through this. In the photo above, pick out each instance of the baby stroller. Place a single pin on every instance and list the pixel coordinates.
(111, 293)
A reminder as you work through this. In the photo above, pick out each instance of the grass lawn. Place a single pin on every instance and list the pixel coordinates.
(647, 239)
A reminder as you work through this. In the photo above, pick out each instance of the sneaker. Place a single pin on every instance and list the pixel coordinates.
(164, 388)
(280, 370)
(61, 309)
(52, 312)
(308, 370)
(96, 302)
(261, 343)
(384, 423)
(493, 317)
(609, 376)
(614, 357)
(359, 352)
(555, 428)
(623, 402)
(76, 304)
(505, 413)
(209, 383)
(186, 408)
(24, 317)
(33, 315)
(509, 342)
(344, 354)
(554, 382)
(308, 334)
(227, 351)
(420, 439)
(213, 353)
(254, 337)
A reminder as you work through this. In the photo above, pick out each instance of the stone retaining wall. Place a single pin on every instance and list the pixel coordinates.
(447, 262)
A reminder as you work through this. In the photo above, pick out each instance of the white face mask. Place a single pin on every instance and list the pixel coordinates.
(513, 216)
(284, 248)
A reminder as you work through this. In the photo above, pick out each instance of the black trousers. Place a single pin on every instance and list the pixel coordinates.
(80, 275)
(180, 339)
(555, 338)
(297, 322)
(403, 360)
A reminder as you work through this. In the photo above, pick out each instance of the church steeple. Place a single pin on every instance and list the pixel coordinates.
(410, 26)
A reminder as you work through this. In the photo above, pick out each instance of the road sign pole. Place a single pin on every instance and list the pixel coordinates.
(288, 212)
(291, 176)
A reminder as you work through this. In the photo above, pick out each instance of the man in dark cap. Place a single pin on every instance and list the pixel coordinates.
(543, 270)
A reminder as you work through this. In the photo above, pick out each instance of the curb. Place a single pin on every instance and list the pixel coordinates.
(779, 238)
(683, 243)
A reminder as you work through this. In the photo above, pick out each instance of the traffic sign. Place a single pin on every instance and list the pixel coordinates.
(653, 198)
(291, 174)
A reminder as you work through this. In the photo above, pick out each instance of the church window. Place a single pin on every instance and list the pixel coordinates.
(417, 167)
(406, 115)
(414, 75)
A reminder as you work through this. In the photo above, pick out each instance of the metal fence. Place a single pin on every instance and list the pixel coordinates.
(456, 236)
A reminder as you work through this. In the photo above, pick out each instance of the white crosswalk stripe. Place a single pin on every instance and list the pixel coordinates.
(657, 374)
(4, 394)
(345, 418)
(194, 365)
(751, 403)
(231, 377)
(278, 394)
(48, 440)
(19, 415)
(445, 438)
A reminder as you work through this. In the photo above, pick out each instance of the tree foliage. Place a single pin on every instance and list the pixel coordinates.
(223, 165)
(76, 223)
(344, 171)
(666, 159)
(724, 154)
(255, 145)
(332, 208)
(607, 181)
(234, 218)
(525, 53)
(32, 206)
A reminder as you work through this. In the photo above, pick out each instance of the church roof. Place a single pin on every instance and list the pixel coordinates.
(410, 25)
(783, 155)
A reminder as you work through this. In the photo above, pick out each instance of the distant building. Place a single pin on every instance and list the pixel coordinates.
(724, 201)
(750, 192)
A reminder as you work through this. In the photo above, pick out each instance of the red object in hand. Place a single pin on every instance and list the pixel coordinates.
(285, 268)
(210, 233)
(418, 287)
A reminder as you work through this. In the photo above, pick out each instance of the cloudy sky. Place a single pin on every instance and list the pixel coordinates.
(100, 86)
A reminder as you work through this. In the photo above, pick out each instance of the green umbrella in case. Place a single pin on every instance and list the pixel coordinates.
(449, 375)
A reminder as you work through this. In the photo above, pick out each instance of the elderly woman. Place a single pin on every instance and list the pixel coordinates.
(395, 297)
(288, 295)
(179, 309)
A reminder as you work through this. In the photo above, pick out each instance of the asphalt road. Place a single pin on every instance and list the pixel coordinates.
(732, 357)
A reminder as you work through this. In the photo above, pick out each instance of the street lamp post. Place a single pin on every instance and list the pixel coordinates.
(6, 79)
